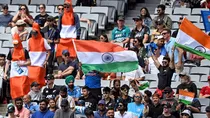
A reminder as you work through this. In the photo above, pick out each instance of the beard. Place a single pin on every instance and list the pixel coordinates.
(71, 86)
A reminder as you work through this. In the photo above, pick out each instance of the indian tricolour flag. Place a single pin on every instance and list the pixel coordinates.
(104, 57)
(192, 39)
(186, 97)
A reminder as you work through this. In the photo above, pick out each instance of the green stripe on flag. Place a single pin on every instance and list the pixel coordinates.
(185, 101)
(111, 67)
(205, 55)
(144, 86)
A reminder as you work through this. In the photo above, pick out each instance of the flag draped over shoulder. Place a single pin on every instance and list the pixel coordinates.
(192, 39)
(206, 20)
(19, 82)
(186, 97)
(104, 57)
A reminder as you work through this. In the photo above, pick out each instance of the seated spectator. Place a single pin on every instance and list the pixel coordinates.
(124, 97)
(168, 98)
(140, 59)
(73, 91)
(137, 74)
(20, 29)
(186, 114)
(115, 91)
(6, 17)
(52, 105)
(122, 111)
(51, 90)
(186, 83)
(205, 4)
(145, 15)
(155, 109)
(109, 76)
(157, 31)
(176, 31)
(10, 111)
(181, 4)
(196, 59)
(63, 95)
(205, 91)
(167, 112)
(89, 113)
(140, 30)
(90, 100)
(135, 87)
(35, 93)
(141, 48)
(68, 67)
(103, 38)
(43, 111)
(136, 108)
(29, 105)
(161, 15)
(80, 107)
(208, 111)
(109, 102)
(110, 112)
(65, 111)
(147, 95)
(42, 17)
(23, 14)
(121, 33)
(20, 111)
(89, 3)
(101, 113)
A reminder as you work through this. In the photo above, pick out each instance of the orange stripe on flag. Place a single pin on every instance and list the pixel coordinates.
(19, 86)
(185, 93)
(37, 74)
(96, 46)
(195, 33)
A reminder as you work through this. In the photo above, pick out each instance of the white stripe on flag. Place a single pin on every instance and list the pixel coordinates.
(187, 98)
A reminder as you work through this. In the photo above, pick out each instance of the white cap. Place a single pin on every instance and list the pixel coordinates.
(186, 111)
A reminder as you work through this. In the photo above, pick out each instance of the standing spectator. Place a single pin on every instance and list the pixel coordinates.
(122, 111)
(51, 33)
(178, 52)
(109, 102)
(101, 113)
(110, 112)
(23, 14)
(93, 81)
(103, 38)
(161, 15)
(89, 113)
(20, 111)
(60, 11)
(73, 91)
(89, 3)
(121, 33)
(208, 111)
(63, 95)
(35, 93)
(166, 112)
(52, 105)
(11, 111)
(155, 109)
(43, 111)
(65, 111)
(67, 67)
(42, 17)
(51, 90)
(6, 17)
(90, 100)
(39, 53)
(20, 30)
(115, 91)
(140, 31)
(176, 31)
(186, 83)
(29, 105)
(136, 108)
(205, 91)
(145, 15)
(4, 83)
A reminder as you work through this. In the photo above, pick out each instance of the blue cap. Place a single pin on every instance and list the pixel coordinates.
(101, 102)
(81, 102)
(65, 52)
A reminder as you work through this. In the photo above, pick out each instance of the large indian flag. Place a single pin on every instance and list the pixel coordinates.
(192, 39)
(104, 57)
(186, 97)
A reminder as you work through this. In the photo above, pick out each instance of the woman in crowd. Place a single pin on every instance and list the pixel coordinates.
(103, 38)
(115, 91)
(52, 105)
(147, 20)
(139, 44)
(157, 32)
(23, 14)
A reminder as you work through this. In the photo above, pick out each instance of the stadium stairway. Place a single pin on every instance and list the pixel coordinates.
(3, 109)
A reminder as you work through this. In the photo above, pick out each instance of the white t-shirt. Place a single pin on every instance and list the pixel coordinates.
(134, 74)
(15, 30)
(151, 66)
(70, 100)
(125, 115)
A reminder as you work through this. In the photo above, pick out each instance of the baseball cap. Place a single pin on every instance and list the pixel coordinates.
(50, 77)
(65, 52)
(81, 102)
(15, 41)
(10, 108)
(121, 18)
(168, 90)
(167, 105)
(186, 111)
(64, 103)
(101, 102)
(182, 74)
(50, 18)
(137, 18)
(34, 84)
(208, 109)
(20, 22)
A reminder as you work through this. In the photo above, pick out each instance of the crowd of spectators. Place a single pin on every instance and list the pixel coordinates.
(151, 39)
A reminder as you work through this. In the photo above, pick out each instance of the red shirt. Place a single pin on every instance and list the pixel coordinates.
(205, 90)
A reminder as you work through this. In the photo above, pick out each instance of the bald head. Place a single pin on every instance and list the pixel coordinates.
(26, 99)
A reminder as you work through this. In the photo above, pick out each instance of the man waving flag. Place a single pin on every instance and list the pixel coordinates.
(104, 57)
(192, 39)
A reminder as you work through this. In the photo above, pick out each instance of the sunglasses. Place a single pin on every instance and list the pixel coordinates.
(66, 6)
(158, 10)
(120, 105)
(137, 97)
(66, 55)
(41, 7)
(164, 62)
(185, 115)
(60, 8)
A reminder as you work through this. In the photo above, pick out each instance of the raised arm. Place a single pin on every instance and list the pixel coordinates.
(171, 64)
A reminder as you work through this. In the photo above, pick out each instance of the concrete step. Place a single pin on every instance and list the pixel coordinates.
(3, 109)
(152, 1)
(146, 5)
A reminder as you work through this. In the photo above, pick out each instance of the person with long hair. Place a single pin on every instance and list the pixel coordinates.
(147, 20)
(103, 38)
(23, 14)
(52, 105)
